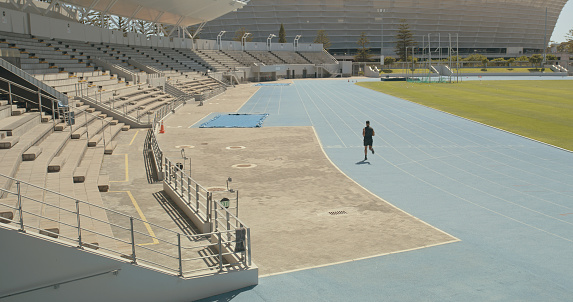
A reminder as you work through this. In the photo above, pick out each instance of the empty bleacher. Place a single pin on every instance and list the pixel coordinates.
(267, 57)
(317, 57)
(291, 57)
(45, 153)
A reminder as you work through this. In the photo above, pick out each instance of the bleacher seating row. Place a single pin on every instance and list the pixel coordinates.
(63, 156)
(66, 155)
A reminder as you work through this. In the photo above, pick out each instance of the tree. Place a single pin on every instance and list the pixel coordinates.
(239, 35)
(404, 40)
(484, 61)
(282, 34)
(567, 46)
(535, 59)
(499, 62)
(510, 61)
(475, 57)
(363, 54)
(389, 60)
(322, 38)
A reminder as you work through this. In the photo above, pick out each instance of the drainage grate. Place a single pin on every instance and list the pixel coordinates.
(337, 213)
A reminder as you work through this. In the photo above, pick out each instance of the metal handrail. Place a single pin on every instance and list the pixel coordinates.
(37, 92)
(31, 79)
(175, 269)
(207, 208)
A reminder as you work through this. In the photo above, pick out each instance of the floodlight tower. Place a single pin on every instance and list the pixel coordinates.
(296, 38)
(219, 36)
(243, 40)
(269, 41)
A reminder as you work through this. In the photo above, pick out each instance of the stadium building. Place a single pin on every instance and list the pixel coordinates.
(496, 28)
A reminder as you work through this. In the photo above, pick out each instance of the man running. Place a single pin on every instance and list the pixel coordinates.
(368, 133)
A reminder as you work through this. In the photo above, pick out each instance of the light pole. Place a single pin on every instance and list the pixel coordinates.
(381, 11)
(296, 38)
(243, 40)
(407, 61)
(219, 36)
(269, 41)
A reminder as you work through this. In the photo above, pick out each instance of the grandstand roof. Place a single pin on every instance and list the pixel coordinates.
(175, 12)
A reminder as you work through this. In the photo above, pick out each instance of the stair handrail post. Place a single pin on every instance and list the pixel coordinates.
(20, 211)
(53, 113)
(40, 100)
(179, 254)
(103, 133)
(10, 92)
(220, 243)
(80, 244)
(87, 126)
(132, 240)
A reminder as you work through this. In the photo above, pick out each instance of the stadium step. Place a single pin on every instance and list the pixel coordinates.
(56, 164)
(9, 142)
(60, 127)
(32, 153)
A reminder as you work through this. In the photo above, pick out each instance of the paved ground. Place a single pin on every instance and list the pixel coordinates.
(507, 198)
(286, 198)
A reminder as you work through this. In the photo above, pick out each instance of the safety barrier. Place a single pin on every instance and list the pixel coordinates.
(200, 201)
(171, 252)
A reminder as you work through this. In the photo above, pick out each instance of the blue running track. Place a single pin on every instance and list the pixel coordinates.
(508, 199)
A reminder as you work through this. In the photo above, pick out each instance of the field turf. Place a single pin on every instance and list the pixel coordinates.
(542, 110)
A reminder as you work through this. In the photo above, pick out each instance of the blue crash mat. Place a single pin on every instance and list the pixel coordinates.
(235, 121)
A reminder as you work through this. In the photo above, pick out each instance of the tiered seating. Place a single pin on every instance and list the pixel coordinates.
(317, 57)
(206, 55)
(186, 62)
(242, 57)
(291, 57)
(39, 57)
(267, 57)
(26, 130)
(222, 58)
(199, 86)
(140, 101)
(51, 160)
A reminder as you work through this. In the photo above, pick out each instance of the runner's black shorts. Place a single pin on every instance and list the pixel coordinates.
(367, 141)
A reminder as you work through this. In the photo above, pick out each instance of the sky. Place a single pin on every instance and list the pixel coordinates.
(564, 23)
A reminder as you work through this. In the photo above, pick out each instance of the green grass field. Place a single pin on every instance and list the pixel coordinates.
(467, 70)
(501, 70)
(542, 110)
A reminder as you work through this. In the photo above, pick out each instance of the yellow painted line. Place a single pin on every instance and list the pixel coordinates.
(126, 169)
(142, 216)
(134, 137)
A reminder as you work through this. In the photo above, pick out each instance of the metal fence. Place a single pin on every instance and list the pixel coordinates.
(201, 201)
(72, 221)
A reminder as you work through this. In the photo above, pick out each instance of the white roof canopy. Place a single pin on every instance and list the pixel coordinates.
(173, 12)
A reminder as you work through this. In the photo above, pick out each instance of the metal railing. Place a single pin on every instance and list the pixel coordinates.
(63, 111)
(171, 252)
(199, 200)
(123, 111)
(31, 79)
(39, 93)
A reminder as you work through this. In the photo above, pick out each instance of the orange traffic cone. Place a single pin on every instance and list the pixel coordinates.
(162, 129)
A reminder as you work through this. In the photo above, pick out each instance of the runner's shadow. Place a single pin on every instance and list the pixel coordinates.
(363, 162)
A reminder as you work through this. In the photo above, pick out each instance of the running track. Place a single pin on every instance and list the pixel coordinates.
(507, 198)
